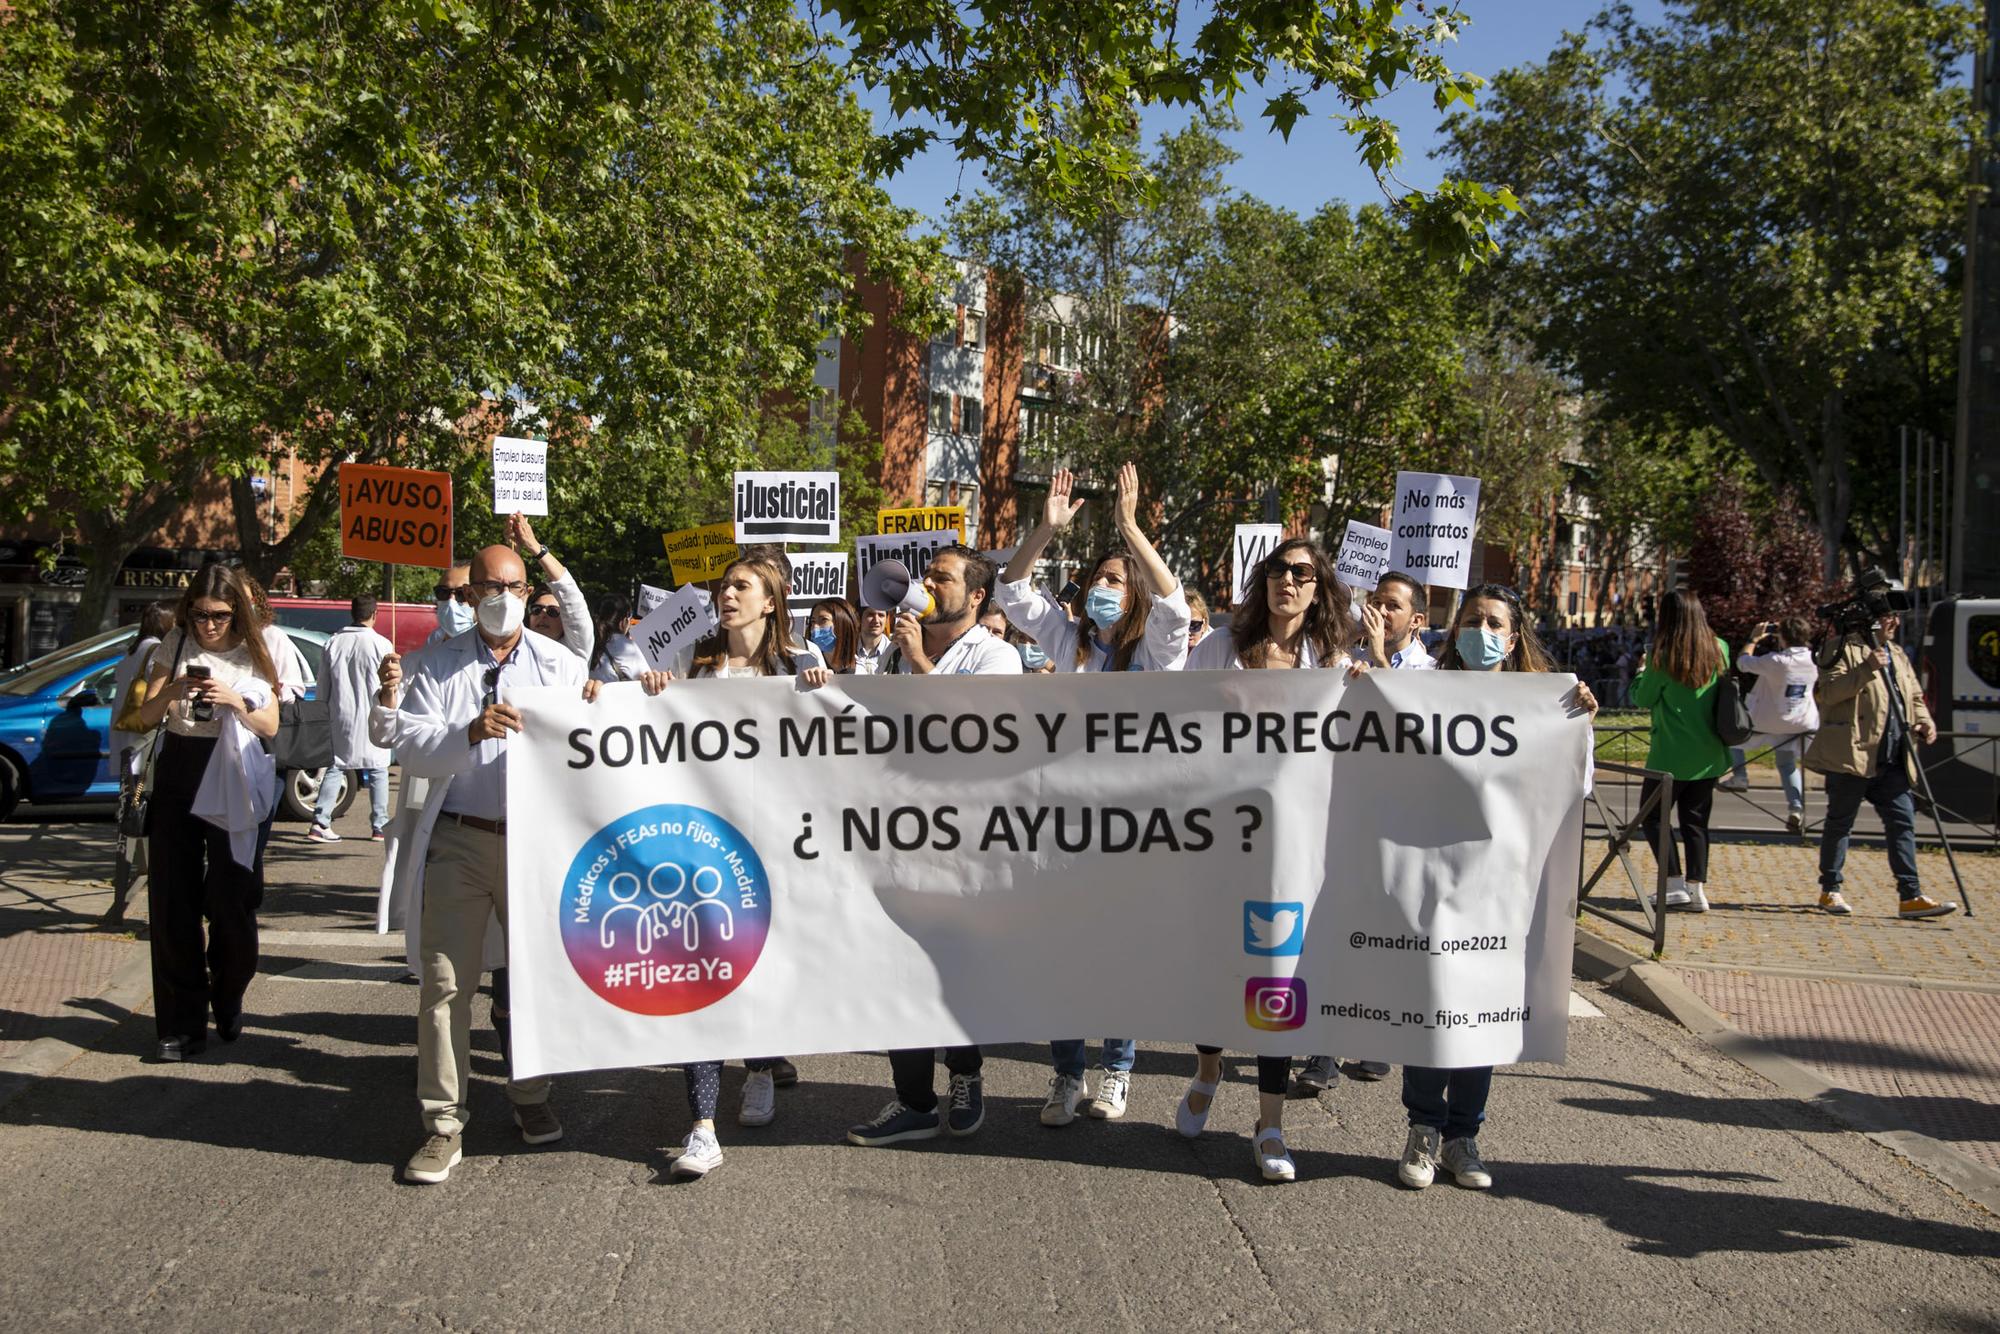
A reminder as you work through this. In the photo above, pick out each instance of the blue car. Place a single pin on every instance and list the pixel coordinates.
(55, 726)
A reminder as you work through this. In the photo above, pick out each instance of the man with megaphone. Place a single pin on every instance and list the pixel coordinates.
(937, 632)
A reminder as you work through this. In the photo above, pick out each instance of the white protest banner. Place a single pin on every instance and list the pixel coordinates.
(666, 632)
(1253, 542)
(787, 507)
(649, 598)
(1286, 862)
(1364, 555)
(1435, 517)
(520, 475)
(816, 575)
(914, 550)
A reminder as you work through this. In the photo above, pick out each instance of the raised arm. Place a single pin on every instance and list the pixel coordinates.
(1154, 576)
(1058, 512)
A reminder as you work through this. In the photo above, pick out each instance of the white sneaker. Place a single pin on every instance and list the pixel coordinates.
(1065, 1092)
(1461, 1159)
(1734, 785)
(1420, 1158)
(760, 1099)
(1697, 896)
(1188, 1121)
(699, 1156)
(1677, 892)
(1112, 1090)
(1273, 1159)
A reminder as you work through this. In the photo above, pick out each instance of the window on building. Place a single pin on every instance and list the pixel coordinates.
(970, 411)
(956, 493)
(941, 413)
(975, 328)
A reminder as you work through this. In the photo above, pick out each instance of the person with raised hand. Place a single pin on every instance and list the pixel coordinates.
(558, 608)
(1446, 1108)
(1294, 614)
(1134, 619)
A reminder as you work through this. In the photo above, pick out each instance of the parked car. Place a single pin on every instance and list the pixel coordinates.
(405, 624)
(55, 727)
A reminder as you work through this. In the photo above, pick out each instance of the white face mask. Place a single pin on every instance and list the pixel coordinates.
(501, 614)
(454, 617)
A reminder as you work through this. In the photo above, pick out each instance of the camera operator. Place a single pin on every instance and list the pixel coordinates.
(1864, 753)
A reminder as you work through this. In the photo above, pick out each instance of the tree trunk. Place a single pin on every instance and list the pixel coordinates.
(112, 535)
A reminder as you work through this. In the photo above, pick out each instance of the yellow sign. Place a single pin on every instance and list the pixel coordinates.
(700, 553)
(927, 519)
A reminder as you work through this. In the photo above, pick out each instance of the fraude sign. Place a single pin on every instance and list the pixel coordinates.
(1431, 538)
(1383, 867)
(398, 515)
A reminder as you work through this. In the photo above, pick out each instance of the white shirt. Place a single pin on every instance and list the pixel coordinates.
(447, 691)
(1782, 702)
(622, 660)
(353, 664)
(1163, 648)
(977, 652)
(869, 662)
(1218, 653)
(294, 677)
(1413, 657)
(231, 667)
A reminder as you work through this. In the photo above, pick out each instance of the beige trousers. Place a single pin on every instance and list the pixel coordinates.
(465, 881)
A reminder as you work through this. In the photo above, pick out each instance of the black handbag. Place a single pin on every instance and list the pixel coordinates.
(1732, 711)
(305, 734)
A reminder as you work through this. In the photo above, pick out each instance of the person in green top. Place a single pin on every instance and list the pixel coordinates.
(1678, 684)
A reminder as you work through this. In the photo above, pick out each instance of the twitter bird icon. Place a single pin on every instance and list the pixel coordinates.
(1273, 928)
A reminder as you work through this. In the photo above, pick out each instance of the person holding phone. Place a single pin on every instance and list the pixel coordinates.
(213, 670)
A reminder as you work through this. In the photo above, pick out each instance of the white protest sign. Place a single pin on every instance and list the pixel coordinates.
(787, 507)
(816, 575)
(1432, 533)
(666, 632)
(1384, 867)
(1364, 555)
(914, 550)
(1253, 542)
(520, 475)
(649, 598)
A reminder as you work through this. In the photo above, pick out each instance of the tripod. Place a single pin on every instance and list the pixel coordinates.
(1877, 645)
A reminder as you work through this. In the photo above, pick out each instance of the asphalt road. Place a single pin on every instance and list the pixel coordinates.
(1648, 1183)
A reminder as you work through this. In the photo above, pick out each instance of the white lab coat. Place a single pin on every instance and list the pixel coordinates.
(579, 633)
(1218, 653)
(353, 665)
(1163, 648)
(440, 700)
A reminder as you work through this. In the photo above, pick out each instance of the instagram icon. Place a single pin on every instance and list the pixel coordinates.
(1274, 1004)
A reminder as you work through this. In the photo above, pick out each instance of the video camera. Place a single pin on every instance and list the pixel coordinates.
(1875, 596)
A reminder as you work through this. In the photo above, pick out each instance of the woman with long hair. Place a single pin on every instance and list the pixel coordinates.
(1134, 618)
(613, 655)
(834, 630)
(1294, 614)
(752, 637)
(214, 669)
(1678, 684)
(1447, 1107)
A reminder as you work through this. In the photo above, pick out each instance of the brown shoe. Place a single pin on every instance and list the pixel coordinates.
(433, 1162)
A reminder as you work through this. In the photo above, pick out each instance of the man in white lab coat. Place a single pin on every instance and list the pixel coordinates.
(353, 658)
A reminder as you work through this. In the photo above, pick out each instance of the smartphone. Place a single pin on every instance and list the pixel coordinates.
(1069, 592)
(201, 710)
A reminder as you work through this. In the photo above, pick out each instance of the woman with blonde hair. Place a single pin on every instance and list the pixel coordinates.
(214, 670)
(1678, 684)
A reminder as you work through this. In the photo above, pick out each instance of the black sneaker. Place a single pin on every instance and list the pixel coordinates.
(1365, 1071)
(967, 1105)
(893, 1124)
(783, 1073)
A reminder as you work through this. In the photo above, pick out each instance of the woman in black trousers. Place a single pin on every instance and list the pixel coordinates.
(197, 680)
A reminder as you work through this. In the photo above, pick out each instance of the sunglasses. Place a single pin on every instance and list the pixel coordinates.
(545, 609)
(1302, 572)
(1197, 625)
(211, 617)
(446, 593)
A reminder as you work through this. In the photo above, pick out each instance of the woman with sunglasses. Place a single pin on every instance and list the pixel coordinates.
(1447, 1107)
(752, 638)
(556, 609)
(1134, 619)
(1294, 614)
(216, 668)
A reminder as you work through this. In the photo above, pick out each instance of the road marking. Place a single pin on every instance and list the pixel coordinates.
(360, 940)
(1579, 1008)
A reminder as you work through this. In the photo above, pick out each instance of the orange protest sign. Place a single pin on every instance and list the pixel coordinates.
(398, 515)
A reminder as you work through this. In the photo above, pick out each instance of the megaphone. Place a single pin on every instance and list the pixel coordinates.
(888, 587)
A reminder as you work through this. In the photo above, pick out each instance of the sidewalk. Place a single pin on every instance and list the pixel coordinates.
(1906, 1011)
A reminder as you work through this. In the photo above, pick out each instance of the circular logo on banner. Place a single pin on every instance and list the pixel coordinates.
(665, 910)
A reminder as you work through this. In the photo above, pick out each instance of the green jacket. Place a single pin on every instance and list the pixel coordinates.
(1684, 739)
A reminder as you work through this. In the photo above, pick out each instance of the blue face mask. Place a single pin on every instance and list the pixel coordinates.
(1032, 657)
(1481, 649)
(1104, 605)
(454, 617)
(823, 638)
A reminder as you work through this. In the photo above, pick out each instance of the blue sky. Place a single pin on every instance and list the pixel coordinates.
(1319, 162)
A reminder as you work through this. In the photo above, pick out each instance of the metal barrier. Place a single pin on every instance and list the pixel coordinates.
(1652, 922)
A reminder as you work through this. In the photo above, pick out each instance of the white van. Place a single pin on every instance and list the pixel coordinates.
(1960, 667)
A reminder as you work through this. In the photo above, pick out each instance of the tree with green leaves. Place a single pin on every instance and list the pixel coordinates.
(1744, 219)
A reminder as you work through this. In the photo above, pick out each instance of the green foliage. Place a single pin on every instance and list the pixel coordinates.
(1744, 220)
(1050, 90)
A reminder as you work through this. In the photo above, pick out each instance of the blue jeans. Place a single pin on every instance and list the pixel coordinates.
(1889, 793)
(1786, 751)
(334, 781)
(1451, 1102)
(1069, 1056)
